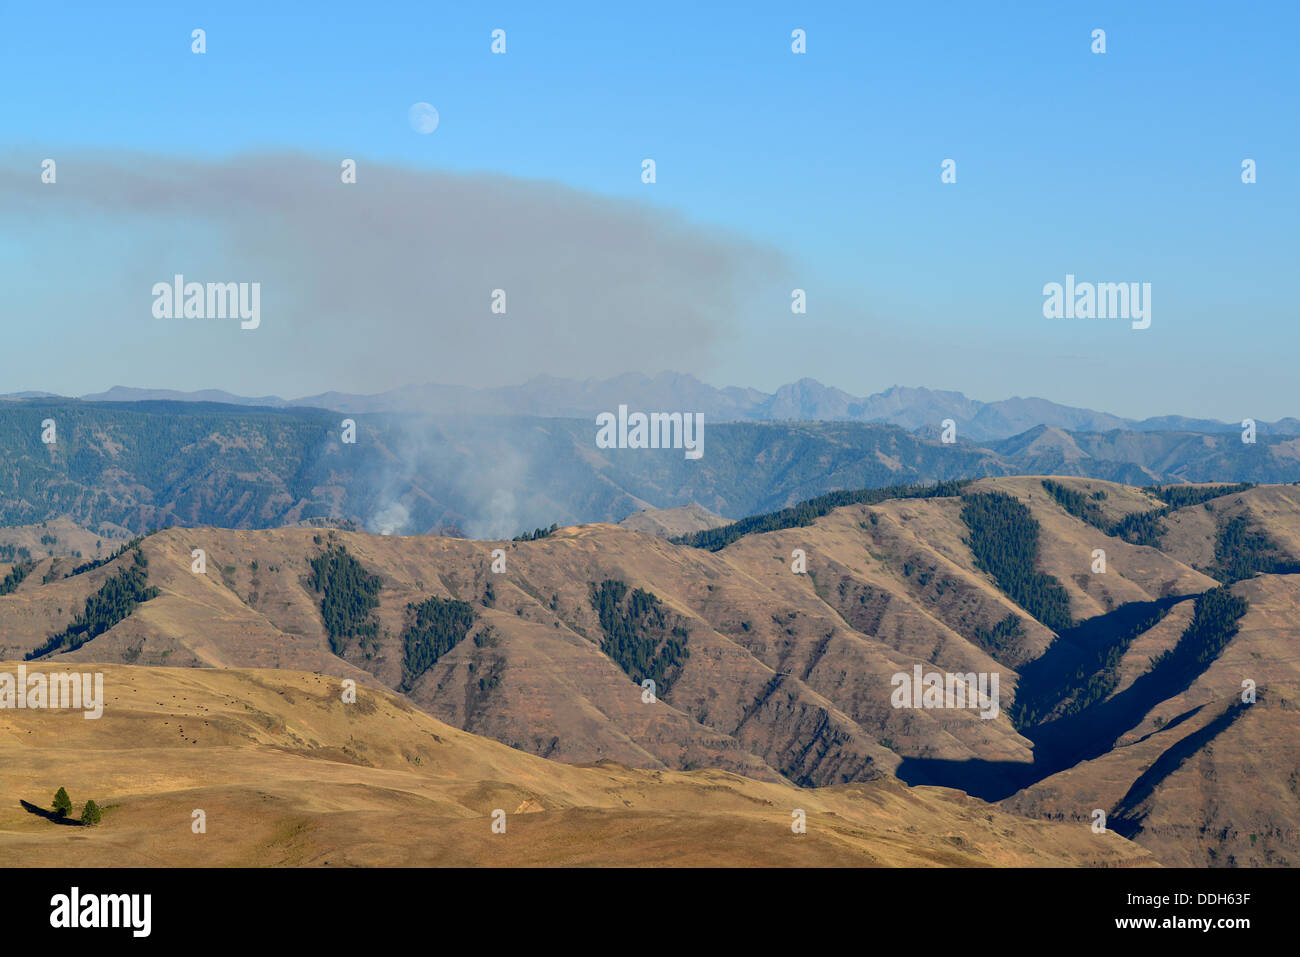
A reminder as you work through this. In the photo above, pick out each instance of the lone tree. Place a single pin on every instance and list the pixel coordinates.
(91, 813)
(62, 803)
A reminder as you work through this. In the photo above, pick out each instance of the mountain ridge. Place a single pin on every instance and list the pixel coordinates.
(130, 466)
(806, 399)
(786, 674)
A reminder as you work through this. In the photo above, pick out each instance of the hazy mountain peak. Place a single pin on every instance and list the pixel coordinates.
(916, 408)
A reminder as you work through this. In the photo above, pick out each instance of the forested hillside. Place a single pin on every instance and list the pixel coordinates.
(434, 627)
(111, 604)
(348, 598)
(638, 634)
(1004, 541)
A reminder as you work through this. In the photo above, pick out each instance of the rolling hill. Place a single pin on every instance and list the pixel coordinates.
(287, 774)
(785, 677)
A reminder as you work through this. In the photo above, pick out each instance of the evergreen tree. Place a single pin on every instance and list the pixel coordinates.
(15, 576)
(1180, 496)
(91, 814)
(1214, 623)
(1004, 541)
(805, 513)
(62, 803)
(1077, 504)
(351, 594)
(1243, 549)
(434, 627)
(638, 635)
(112, 603)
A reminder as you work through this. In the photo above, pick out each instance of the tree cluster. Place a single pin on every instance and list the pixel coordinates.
(14, 577)
(1180, 496)
(1214, 622)
(1003, 636)
(637, 634)
(1139, 528)
(97, 562)
(1242, 550)
(805, 513)
(1004, 541)
(91, 814)
(434, 627)
(1091, 680)
(350, 596)
(112, 603)
(536, 534)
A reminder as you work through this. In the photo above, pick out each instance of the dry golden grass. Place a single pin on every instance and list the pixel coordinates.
(289, 775)
(788, 680)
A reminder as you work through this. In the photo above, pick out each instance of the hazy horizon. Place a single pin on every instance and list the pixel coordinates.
(775, 171)
(651, 376)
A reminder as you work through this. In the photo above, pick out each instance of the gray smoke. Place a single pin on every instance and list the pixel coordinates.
(385, 282)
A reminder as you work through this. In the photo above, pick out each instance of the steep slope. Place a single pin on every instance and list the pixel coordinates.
(1191, 533)
(1208, 775)
(774, 657)
(788, 674)
(1133, 573)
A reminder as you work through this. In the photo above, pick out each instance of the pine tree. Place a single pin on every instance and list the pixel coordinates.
(91, 814)
(62, 803)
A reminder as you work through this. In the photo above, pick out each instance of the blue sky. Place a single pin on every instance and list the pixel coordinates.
(1116, 167)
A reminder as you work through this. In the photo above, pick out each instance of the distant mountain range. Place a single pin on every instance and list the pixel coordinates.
(120, 467)
(915, 409)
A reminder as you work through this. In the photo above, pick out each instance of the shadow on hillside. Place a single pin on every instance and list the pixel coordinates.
(1126, 820)
(50, 815)
(1062, 743)
(1081, 644)
(987, 780)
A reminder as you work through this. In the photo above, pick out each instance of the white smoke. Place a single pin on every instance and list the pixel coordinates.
(392, 519)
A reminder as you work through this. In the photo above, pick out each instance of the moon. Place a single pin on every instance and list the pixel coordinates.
(423, 117)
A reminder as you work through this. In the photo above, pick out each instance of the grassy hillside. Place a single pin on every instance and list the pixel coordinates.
(773, 656)
(287, 774)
